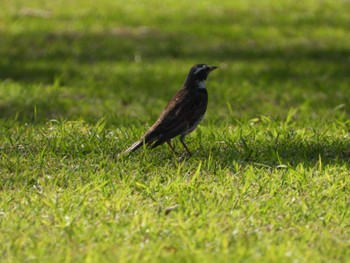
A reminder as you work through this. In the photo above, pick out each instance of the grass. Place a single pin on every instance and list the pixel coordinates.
(269, 179)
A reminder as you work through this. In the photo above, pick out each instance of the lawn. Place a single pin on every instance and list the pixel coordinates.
(268, 181)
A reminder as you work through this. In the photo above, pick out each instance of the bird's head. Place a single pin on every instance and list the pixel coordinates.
(198, 75)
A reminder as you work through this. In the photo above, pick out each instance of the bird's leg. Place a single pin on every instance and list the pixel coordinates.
(182, 140)
(171, 146)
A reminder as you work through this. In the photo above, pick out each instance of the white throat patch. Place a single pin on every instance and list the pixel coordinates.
(201, 84)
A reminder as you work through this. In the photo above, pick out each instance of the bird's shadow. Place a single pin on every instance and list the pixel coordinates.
(287, 154)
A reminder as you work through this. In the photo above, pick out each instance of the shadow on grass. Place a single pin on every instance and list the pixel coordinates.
(28, 111)
(39, 58)
(286, 154)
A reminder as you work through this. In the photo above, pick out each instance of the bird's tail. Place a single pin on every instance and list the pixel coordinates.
(148, 139)
(135, 146)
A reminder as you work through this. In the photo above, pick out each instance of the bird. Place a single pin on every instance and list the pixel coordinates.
(182, 114)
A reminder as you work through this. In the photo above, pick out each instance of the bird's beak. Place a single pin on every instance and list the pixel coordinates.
(212, 68)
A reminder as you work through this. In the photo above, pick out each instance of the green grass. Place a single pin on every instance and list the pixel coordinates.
(269, 178)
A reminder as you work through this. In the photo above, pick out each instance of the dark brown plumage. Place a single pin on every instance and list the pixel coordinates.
(182, 114)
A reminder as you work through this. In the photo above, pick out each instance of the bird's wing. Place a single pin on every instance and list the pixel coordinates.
(183, 110)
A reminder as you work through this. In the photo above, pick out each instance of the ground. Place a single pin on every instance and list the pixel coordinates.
(268, 181)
